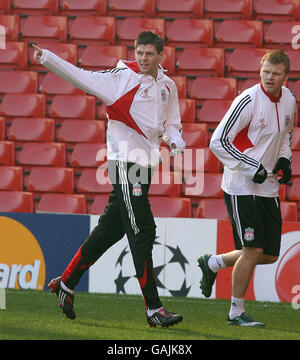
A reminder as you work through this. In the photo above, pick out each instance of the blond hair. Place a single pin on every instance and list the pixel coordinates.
(277, 57)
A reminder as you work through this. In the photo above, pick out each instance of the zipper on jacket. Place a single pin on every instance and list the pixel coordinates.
(278, 124)
(156, 107)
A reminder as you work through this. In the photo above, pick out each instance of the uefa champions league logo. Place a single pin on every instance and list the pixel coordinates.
(170, 273)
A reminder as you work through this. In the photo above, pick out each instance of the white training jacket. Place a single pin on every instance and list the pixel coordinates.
(257, 129)
(141, 110)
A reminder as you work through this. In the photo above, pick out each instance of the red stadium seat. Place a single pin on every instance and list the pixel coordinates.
(75, 131)
(88, 155)
(62, 203)
(2, 128)
(11, 24)
(43, 28)
(73, 106)
(99, 204)
(48, 154)
(203, 185)
(179, 9)
(239, 33)
(83, 8)
(125, 8)
(294, 86)
(201, 61)
(294, 196)
(211, 209)
(96, 57)
(93, 181)
(162, 206)
(296, 163)
(211, 162)
(95, 30)
(282, 192)
(7, 153)
(169, 60)
(33, 7)
(131, 27)
(67, 52)
(289, 211)
(245, 62)
(14, 56)
(296, 139)
(165, 183)
(187, 110)
(190, 33)
(5, 6)
(32, 129)
(295, 63)
(51, 179)
(53, 85)
(23, 105)
(18, 82)
(294, 190)
(213, 88)
(16, 201)
(212, 111)
(181, 84)
(279, 34)
(228, 9)
(247, 83)
(197, 160)
(276, 10)
(195, 134)
(11, 178)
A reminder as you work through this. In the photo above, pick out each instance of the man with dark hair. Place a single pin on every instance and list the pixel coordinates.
(148, 37)
(143, 108)
(253, 142)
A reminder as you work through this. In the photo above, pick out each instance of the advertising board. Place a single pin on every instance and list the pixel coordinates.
(34, 248)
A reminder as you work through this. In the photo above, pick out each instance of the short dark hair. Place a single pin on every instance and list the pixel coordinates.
(277, 57)
(148, 37)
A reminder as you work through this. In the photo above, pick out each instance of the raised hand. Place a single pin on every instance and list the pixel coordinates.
(37, 53)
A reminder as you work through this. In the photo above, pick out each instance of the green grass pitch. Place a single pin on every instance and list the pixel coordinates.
(34, 315)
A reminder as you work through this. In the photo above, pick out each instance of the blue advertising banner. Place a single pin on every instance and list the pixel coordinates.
(34, 248)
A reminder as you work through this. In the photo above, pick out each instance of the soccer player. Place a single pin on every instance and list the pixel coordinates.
(143, 108)
(253, 142)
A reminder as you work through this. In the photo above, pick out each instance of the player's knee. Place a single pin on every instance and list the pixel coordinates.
(271, 259)
(253, 253)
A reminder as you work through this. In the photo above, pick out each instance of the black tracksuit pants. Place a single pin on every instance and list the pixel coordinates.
(128, 211)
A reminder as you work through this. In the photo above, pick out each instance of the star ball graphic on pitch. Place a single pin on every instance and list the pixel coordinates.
(169, 271)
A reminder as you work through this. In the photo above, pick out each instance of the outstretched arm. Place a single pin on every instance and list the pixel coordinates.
(104, 85)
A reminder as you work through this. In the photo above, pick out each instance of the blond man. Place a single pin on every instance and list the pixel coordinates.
(253, 142)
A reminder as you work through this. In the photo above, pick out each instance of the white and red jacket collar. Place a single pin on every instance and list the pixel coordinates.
(273, 98)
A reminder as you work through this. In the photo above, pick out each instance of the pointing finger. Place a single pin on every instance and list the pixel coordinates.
(36, 47)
